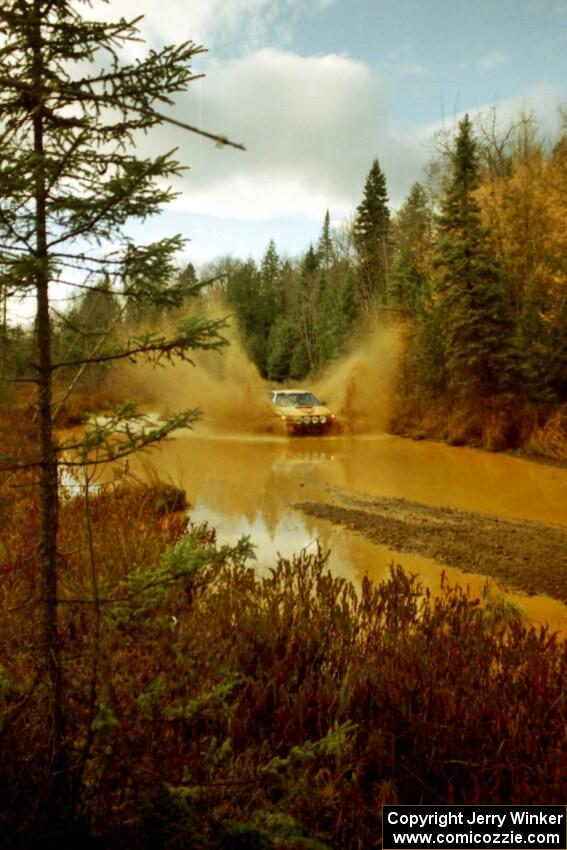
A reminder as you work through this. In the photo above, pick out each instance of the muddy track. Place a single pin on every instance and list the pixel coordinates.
(522, 555)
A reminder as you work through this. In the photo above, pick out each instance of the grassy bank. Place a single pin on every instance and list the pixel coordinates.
(492, 424)
(207, 706)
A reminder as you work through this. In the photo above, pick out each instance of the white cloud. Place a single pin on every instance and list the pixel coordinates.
(242, 25)
(312, 124)
(243, 197)
(312, 127)
(411, 69)
(492, 59)
(541, 101)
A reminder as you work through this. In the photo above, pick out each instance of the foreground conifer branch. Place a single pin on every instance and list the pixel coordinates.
(71, 113)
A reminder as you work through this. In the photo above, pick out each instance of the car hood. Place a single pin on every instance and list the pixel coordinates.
(296, 411)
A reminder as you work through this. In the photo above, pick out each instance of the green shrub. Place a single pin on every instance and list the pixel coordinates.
(277, 710)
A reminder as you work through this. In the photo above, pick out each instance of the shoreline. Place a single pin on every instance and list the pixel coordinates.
(522, 555)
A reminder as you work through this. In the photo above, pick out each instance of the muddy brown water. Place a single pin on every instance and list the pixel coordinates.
(249, 485)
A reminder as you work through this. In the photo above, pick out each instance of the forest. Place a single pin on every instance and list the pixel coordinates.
(471, 270)
(156, 689)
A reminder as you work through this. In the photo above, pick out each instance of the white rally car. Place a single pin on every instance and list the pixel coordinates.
(301, 412)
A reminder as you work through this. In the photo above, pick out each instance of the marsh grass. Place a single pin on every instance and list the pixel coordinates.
(225, 698)
(208, 706)
(490, 423)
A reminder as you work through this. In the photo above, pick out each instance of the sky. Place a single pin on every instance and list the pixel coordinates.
(317, 89)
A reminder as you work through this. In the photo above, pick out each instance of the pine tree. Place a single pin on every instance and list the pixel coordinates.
(89, 324)
(325, 248)
(555, 256)
(70, 179)
(299, 365)
(371, 238)
(469, 285)
(269, 305)
(188, 275)
(270, 267)
(271, 291)
(412, 234)
(308, 303)
(281, 344)
(525, 208)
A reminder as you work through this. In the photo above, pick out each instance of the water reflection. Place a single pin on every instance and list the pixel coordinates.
(248, 486)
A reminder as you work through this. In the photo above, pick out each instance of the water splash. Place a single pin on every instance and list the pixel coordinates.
(359, 387)
(232, 396)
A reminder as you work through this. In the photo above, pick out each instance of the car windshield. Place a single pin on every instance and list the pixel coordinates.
(296, 400)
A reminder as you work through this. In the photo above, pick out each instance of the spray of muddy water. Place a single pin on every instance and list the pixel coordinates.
(225, 386)
(359, 386)
(249, 485)
(232, 396)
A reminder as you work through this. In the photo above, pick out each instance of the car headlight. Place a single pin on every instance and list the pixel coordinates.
(305, 420)
(322, 419)
(314, 419)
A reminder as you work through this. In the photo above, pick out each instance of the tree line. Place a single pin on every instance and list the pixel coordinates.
(473, 265)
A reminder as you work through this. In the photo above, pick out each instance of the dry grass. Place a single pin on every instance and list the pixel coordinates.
(283, 709)
(550, 440)
(232, 710)
(490, 423)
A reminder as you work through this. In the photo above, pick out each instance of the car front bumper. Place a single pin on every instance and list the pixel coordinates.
(308, 427)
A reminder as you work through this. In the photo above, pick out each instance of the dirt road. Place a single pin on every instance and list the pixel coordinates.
(520, 554)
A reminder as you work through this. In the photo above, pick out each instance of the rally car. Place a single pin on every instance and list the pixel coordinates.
(301, 412)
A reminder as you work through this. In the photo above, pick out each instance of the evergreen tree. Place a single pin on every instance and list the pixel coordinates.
(86, 326)
(242, 294)
(188, 276)
(469, 285)
(555, 313)
(524, 206)
(308, 298)
(325, 248)
(270, 268)
(70, 179)
(423, 366)
(245, 297)
(336, 313)
(269, 305)
(412, 234)
(371, 238)
(299, 365)
(271, 291)
(281, 345)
